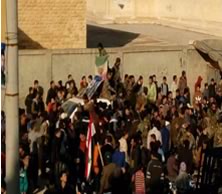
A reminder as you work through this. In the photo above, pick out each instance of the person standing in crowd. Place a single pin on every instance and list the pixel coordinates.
(182, 82)
(172, 166)
(155, 82)
(83, 86)
(36, 106)
(184, 99)
(60, 85)
(107, 174)
(33, 135)
(185, 155)
(218, 98)
(108, 91)
(28, 101)
(136, 91)
(154, 131)
(154, 173)
(176, 126)
(183, 180)
(60, 98)
(52, 92)
(138, 179)
(70, 79)
(152, 92)
(164, 87)
(206, 91)
(38, 89)
(212, 89)
(64, 187)
(90, 78)
(174, 86)
(126, 81)
(23, 179)
(130, 84)
(135, 153)
(165, 134)
(72, 91)
(198, 82)
(83, 82)
(55, 156)
(116, 72)
(107, 147)
(124, 146)
(197, 98)
(118, 157)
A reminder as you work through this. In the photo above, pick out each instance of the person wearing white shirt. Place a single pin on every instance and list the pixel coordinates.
(174, 86)
(150, 138)
(124, 146)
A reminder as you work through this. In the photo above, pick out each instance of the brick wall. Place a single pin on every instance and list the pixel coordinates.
(52, 24)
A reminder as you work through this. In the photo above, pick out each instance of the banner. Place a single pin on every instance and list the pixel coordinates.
(3, 72)
(3, 40)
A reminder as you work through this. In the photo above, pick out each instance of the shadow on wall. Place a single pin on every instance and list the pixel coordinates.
(25, 42)
(109, 38)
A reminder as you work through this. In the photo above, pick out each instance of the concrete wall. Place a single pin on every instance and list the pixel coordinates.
(202, 16)
(203, 10)
(52, 24)
(47, 65)
(115, 10)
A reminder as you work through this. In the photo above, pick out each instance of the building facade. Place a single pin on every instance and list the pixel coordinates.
(202, 16)
(52, 24)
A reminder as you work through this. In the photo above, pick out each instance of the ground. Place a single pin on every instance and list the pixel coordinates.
(128, 35)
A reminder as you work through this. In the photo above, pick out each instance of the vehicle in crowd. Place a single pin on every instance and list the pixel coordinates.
(70, 107)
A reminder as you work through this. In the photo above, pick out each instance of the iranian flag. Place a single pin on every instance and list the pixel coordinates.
(91, 132)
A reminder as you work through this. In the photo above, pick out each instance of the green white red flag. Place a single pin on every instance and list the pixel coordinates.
(90, 133)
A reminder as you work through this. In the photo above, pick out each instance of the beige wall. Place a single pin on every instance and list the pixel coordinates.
(202, 16)
(203, 10)
(45, 65)
(52, 24)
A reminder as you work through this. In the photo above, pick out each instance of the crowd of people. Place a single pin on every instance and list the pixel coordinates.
(149, 135)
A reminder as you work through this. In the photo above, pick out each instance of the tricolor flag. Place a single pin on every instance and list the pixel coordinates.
(91, 132)
(102, 63)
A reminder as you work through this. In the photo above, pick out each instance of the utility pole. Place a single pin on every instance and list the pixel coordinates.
(11, 99)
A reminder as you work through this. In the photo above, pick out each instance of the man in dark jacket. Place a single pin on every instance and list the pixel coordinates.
(51, 92)
(38, 89)
(212, 89)
(116, 73)
(55, 154)
(107, 148)
(164, 87)
(219, 98)
(28, 101)
(70, 79)
(154, 173)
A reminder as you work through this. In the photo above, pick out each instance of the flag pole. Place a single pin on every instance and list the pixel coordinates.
(11, 100)
(100, 154)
